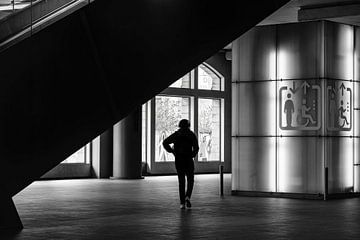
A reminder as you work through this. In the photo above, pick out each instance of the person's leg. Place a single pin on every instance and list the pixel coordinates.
(181, 178)
(190, 179)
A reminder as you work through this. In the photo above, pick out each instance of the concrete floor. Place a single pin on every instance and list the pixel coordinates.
(149, 209)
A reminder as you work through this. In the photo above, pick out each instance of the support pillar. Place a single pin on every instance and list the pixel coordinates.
(127, 147)
(106, 154)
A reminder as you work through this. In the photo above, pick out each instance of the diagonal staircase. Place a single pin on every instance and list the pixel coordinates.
(72, 80)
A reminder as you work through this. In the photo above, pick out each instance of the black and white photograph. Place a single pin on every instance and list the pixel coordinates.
(179, 119)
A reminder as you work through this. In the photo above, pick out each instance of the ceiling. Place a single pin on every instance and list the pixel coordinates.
(289, 12)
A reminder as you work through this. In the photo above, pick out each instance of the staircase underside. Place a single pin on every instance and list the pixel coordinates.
(73, 80)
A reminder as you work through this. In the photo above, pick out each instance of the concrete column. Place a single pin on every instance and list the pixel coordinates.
(127, 147)
(102, 155)
(106, 154)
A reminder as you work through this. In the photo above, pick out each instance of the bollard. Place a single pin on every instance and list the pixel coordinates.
(326, 183)
(221, 186)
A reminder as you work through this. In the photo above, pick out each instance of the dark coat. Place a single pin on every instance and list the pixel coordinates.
(185, 144)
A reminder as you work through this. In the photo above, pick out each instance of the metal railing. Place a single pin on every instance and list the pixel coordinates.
(21, 18)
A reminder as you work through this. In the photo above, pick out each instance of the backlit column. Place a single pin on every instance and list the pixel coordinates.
(127, 147)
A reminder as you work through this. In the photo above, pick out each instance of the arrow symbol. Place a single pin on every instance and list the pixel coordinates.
(342, 87)
(293, 90)
(304, 86)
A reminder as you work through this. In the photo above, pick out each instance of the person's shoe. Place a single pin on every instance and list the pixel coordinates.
(182, 206)
(187, 202)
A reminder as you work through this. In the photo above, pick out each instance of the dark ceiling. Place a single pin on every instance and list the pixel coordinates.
(289, 12)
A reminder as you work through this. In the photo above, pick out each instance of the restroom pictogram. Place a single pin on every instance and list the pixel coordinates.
(299, 106)
(339, 106)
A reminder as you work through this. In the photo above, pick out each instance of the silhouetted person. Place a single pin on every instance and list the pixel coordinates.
(185, 149)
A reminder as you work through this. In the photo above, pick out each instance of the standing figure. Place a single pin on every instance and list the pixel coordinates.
(289, 109)
(185, 149)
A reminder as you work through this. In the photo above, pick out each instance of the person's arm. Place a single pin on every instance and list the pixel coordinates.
(195, 145)
(166, 143)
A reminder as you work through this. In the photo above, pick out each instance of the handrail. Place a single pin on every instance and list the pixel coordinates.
(38, 14)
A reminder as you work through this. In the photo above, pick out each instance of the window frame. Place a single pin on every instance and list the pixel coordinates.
(194, 94)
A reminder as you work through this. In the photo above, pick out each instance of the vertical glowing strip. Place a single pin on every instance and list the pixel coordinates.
(281, 165)
(272, 64)
(282, 64)
(348, 166)
(272, 123)
(355, 65)
(348, 42)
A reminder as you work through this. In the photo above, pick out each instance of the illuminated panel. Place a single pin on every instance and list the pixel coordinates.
(300, 165)
(339, 50)
(272, 65)
(299, 107)
(356, 150)
(357, 54)
(299, 51)
(340, 162)
(339, 104)
(257, 164)
(356, 101)
(257, 112)
(357, 179)
(257, 54)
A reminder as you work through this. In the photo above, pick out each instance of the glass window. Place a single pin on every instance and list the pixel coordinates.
(183, 82)
(77, 157)
(88, 155)
(207, 79)
(168, 112)
(143, 130)
(209, 119)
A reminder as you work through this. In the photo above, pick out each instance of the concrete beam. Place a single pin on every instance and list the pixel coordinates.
(325, 11)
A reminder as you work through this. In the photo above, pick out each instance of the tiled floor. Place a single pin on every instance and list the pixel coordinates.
(148, 209)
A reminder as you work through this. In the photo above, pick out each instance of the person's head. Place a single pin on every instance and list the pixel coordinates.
(184, 123)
